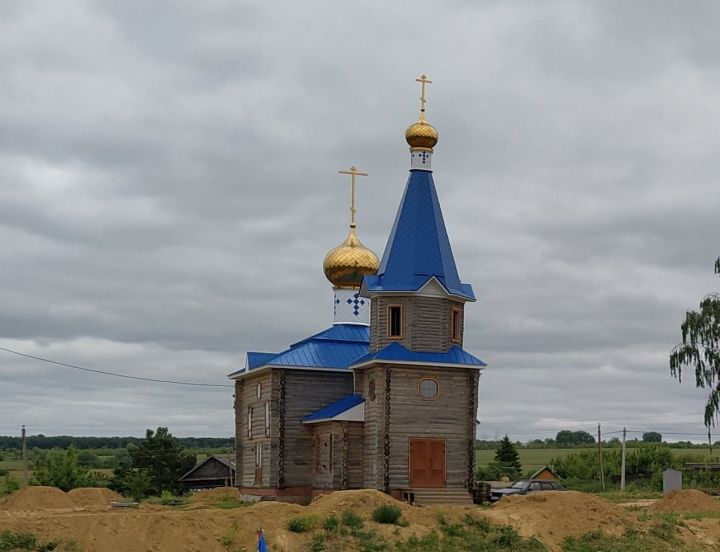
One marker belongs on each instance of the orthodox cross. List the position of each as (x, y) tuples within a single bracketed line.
[(353, 172), (423, 80)]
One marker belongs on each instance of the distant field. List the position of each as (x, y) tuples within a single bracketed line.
[(537, 458)]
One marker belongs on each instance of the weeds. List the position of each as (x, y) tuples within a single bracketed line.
[(352, 520), (302, 524), (331, 524), (387, 513), (12, 542), (631, 541)]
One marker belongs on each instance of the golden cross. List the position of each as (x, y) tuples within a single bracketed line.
[(353, 172), (423, 80)]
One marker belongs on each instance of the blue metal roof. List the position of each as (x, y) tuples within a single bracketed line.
[(334, 348), (395, 352), (418, 247), (258, 359), (333, 409)]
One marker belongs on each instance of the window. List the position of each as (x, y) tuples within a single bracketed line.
[(250, 417), (394, 321), (318, 454), (428, 389), (371, 389), (258, 456), (258, 391), (267, 419), (455, 324)]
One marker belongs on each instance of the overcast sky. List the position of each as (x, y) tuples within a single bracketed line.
[(169, 188)]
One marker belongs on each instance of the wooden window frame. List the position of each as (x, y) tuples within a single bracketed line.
[(258, 391), (389, 321), (455, 325), (258, 455), (267, 418), (437, 391), (249, 424)]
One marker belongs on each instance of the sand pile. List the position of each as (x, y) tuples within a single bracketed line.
[(361, 503), (689, 500), (38, 498), (551, 516), (93, 497)]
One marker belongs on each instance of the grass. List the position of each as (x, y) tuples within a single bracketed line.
[(631, 541), (302, 524), (387, 514), (351, 533), (616, 496), (17, 542), (534, 459)]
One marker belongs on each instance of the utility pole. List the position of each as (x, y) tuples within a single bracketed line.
[(24, 454), (622, 467), (602, 471), (710, 442)]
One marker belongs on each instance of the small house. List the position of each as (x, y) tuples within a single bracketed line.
[(213, 472)]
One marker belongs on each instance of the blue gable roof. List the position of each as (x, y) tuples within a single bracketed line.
[(418, 247), (334, 348), (395, 352), (333, 409)]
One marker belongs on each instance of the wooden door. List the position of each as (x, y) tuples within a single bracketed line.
[(427, 463)]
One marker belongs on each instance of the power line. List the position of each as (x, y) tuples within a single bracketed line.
[(114, 374)]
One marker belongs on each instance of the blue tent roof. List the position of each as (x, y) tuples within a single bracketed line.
[(334, 348), (418, 247), (398, 353), (333, 409)]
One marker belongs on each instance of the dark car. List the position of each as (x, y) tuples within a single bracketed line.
[(525, 486)]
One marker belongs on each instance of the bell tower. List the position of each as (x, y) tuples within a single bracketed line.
[(420, 385)]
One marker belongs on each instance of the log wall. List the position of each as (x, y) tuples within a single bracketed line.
[(451, 417), (426, 322)]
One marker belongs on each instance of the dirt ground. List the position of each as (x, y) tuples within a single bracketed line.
[(85, 517)]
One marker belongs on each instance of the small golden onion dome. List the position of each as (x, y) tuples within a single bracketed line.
[(346, 265), (421, 135)]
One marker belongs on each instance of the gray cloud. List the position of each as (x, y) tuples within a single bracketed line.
[(168, 191)]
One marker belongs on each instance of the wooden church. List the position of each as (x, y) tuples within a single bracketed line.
[(386, 398)]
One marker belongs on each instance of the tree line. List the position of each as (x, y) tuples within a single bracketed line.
[(43, 442)]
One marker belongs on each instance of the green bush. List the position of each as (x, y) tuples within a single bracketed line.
[(387, 513), (4, 472), (301, 524), (9, 486), (169, 499), (16, 542), (331, 523), (352, 520)]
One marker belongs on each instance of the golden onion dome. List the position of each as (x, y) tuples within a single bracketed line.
[(421, 135), (346, 264)]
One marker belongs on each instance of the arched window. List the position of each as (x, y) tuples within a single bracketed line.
[(258, 391), (371, 389)]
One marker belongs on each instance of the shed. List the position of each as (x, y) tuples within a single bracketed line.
[(214, 471), (545, 473)]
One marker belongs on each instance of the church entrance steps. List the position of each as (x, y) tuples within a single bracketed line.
[(433, 496)]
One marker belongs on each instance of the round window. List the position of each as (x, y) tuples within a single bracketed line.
[(371, 389), (258, 390), (428, 389)]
